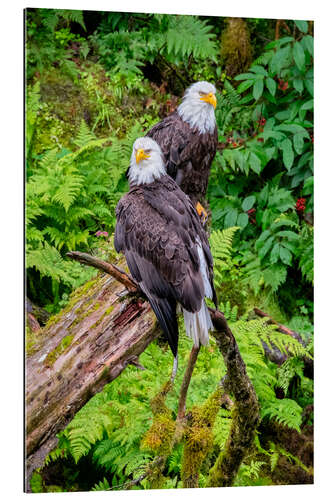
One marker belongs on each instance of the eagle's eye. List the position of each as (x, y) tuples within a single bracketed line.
[(148, 151), (202, 93)]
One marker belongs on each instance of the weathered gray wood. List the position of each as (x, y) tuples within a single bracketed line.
[(85, 346)]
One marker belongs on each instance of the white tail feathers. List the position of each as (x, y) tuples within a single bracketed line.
[(197, 325)]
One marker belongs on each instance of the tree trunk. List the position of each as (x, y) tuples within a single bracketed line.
[(85, 346)]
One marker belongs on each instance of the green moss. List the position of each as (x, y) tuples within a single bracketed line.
[(31, 339), (236, 50), (199, 439), (36, 483), (159, 437), (99, 321), (61, 347)]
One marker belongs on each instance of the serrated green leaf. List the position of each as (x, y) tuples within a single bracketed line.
[(290, 235), (248, 76), (299, 56), (258, 88), (271, 85), (298, 143), (242, 220), (248, 203), (302, 26), (245, 85), (307, 105), (308, 41), (294, 128), (287, 153), (264, 235), (275, 253), (231, 218), (266, 247), (283, 115), (255, 163), (260, 70), (298, 85), (280, 60), (285, 255), (308, 186), (309, 85)]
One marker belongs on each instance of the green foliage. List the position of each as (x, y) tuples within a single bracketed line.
[(90, 95), (48, 39), (69, 196), (267, 162), (126, 50), (111, 428)]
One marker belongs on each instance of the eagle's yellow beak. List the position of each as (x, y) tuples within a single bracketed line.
[(141, 155), (210, 98)]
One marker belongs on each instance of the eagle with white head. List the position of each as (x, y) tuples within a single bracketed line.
[(165, 245), (188, 140)]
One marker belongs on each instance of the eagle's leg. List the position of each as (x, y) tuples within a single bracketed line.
[(202, 213), (174, 369)]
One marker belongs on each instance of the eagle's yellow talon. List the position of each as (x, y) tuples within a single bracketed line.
[(202, 213)]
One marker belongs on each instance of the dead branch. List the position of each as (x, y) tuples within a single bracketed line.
[(278, 357), (106, 267), (186, 382)]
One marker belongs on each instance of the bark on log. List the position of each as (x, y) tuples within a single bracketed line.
[(86, 346)]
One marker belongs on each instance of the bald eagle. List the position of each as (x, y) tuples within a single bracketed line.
[(188, 140), (165, 245)]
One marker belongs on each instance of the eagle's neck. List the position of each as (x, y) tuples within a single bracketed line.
[(198, 115), (145, 172)]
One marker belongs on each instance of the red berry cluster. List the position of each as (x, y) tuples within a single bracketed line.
[(262, 121), (252, 215), (233, 142), (300, 205), (282, 84)]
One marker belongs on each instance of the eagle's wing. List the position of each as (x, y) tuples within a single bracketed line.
[(172, 136), (157, 230)]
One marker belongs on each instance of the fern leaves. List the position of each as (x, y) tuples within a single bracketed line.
[(71, 195), (187, 35)]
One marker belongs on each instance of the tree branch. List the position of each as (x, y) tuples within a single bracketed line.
[(186, 382), (282, 328), (246, 407), (278, 357), (114, 271)]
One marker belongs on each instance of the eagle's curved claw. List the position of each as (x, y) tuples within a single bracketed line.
[(202, 213)]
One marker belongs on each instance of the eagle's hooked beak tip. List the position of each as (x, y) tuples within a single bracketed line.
[(210, 98), (141, 155)]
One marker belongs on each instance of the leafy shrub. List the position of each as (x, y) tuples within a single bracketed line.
[(266, 162)]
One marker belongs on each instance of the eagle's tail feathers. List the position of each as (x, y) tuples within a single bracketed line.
[(198, 324)]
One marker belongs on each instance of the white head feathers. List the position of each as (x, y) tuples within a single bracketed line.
[(197, 112), (147, 162)]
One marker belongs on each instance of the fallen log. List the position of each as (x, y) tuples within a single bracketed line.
[(90, 342), (85, 346)]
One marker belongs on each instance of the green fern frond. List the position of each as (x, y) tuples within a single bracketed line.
[(74, 16), (188, 35), (221, 244), (285, 411), (103, 485)]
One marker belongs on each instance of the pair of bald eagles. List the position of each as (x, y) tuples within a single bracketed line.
[(158, 228)]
